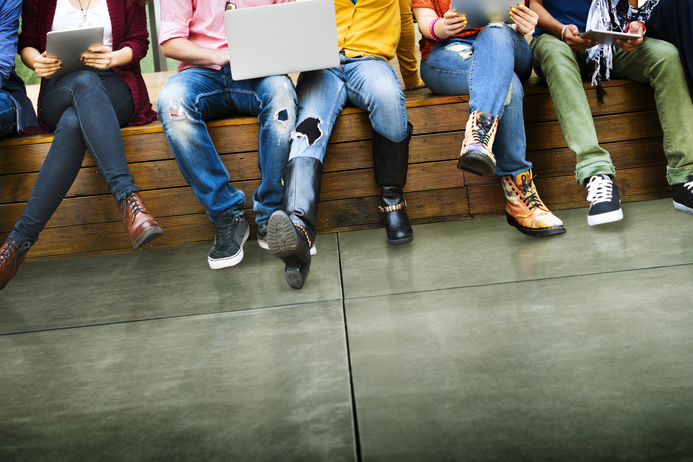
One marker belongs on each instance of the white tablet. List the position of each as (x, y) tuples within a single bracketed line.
[(480, 13), (69, 45), (607, 37)]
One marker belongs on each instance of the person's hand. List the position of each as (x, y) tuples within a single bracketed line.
[(220, 57), (630, 45), (100, 57), (45, 67), (453, 23), (525, 18), (570, 35)]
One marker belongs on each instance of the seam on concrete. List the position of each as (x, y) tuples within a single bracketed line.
[(354, 416)]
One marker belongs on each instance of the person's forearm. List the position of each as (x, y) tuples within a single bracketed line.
[(28, 56), (191, 53), (122, 57), (546, 22)]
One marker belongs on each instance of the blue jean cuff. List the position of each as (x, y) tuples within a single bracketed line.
[(122, 195)]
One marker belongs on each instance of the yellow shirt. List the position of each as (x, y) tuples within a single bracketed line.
[(369, 28)]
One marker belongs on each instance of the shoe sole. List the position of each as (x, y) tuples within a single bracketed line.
[(264, 245), (146, 236), (283, 241), (233, 260), (281, 238), (602, 218), (540, 232), (476, 163), (404, 240), (682, 207)]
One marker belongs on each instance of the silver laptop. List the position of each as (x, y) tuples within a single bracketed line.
[(299, 37), (69, 45), (480, 12)]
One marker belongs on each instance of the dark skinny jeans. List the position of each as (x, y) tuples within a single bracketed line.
[(86, 109)]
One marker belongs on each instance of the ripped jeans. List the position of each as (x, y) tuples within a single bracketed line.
[(489, 67), (367, 82), (197, 94)]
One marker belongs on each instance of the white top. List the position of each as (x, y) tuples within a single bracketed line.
[(68, 17)]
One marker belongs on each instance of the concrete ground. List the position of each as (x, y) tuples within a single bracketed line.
[(472, 343)]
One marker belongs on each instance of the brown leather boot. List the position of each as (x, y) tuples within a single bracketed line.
[(11, 258), (140, 224)]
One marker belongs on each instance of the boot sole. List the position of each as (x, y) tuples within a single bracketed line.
[(146, 236), (296, 275), (541, 232), (476, 163), (282, 240), (403, 240)]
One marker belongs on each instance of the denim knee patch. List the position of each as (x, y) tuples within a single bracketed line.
[(464, 51), (176, 111)]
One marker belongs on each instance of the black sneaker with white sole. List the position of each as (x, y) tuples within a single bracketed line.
[(683, 195), (262, 239), (605, 201), (231, 232)]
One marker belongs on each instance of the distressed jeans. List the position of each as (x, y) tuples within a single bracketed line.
[(197, 94), (367, 82), (655, 62), (489, 67)]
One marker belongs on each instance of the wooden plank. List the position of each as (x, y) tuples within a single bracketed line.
[(345, 213), (361, 183), (610, 128), (622, 99)]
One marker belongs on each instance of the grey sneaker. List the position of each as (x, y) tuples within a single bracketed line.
[(262, 236), (262, 239), (231, 232)]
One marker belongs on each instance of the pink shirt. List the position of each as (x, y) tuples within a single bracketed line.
[(200, 21)]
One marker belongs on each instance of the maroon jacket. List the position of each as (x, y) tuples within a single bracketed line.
[(129, 23)]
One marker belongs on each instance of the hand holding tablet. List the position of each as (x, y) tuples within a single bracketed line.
[(67, 47)]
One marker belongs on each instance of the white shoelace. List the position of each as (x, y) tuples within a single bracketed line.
[(600, 189), (689, 185)]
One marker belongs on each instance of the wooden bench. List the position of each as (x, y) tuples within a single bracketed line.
[(88, 222)]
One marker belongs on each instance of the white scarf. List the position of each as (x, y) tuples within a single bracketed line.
[(610, 15)]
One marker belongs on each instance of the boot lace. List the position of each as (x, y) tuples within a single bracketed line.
[(482, 134), (224, 233), (133, 204), (6, 254), (600, 189), (528, 194), (689, 184)]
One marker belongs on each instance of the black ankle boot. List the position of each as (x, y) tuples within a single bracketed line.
[(391, 161), (291, 231), (397, 226)]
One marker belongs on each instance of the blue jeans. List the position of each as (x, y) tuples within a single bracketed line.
[(198, 94), (86, 109), (367, 82), (8, 114), (489, 67)]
